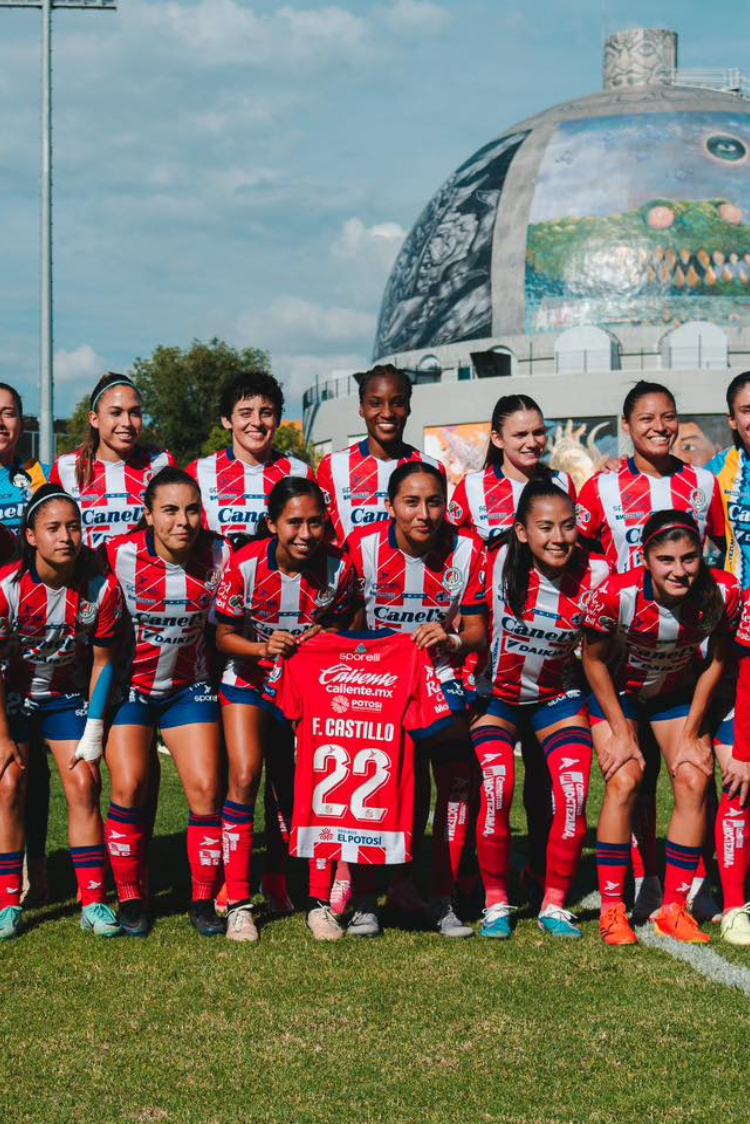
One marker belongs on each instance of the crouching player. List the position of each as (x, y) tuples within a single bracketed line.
[(169, 574), (537, 589), (58, 617), (278, 592), (644, 631)]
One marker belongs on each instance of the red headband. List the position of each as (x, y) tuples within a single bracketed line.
[(670, 527)]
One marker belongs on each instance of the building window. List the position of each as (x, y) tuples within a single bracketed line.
[(584, 350), (695, 345)]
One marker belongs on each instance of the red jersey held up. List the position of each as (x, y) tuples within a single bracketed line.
[(355, 486), (52, 629), (235, 494), (112, 503), (258, 596), (359, 699)]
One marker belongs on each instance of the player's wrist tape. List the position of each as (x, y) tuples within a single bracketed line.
[(90, 747), (454, 642)]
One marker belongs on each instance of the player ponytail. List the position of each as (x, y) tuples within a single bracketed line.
[(414, 468), (87, 451), (670, 526), (504, 407), (519, 561), (284, 490)]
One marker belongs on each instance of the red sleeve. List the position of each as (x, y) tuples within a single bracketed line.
[(603, 609), (427, 712), (458, 509), (192, 469), (475, 596), (353, 550), (54, 476), (716, 526), (589, 513), (346, 594), (280, 690), (325, 480), (733, 599), (230, 598), (741, 750), (110, 614)]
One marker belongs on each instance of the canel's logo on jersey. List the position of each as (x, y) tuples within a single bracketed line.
[(633, 536), (362, 516), (232, 515), (452, 579), (697, 498), (96, 516)]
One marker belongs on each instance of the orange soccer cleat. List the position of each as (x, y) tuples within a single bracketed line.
[(674, 921), (615, 928)]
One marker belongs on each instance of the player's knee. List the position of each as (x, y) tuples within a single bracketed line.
[(624, 785), (243, 783), (12, 789), (130, 791), (204, 795), (82, 788)]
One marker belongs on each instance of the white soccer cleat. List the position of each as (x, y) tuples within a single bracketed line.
[(322, 923), (241, 924), (735, 926)]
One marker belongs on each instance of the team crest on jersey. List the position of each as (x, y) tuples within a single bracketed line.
[(582, 515), (275, 674), (327, 498), (455, 511), (212, 579), (325, 597), (340, 703), (697, 499), (87, 611), (452, 579), (21, 479)]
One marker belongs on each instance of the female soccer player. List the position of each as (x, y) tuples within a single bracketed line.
[(109, 473), (19, 480), (537, 589), (355, 480), (612, 510), (235, 484), (58, 618), (732, 468), (644, 631), (278, 592), (420, 575), (169, 574), (486, 502)]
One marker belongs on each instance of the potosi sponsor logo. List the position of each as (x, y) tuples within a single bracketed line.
[(340, 704)]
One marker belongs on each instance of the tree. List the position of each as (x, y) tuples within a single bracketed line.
[(77, 429), (181, 391)]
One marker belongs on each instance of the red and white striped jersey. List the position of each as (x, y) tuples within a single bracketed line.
[(402, 593), (533, 659), (112, 503), (613, 507), (359, 699), (169, 606), (235, 494), (264, 600), (50, 629), (657, 647), (355, 486), (486, 501)]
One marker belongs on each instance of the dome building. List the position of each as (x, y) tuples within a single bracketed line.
[(604, 240)]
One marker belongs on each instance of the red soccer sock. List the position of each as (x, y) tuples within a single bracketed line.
[(612, 862), (89, 864), (568, 752), (643, 840), (680, 870), (733, 849), (127, 843), (11, 878), (321, 879), (237, 822), (204, 854), (450, 829), (494, 749)]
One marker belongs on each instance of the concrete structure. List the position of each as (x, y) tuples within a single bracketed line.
[(601, 241)]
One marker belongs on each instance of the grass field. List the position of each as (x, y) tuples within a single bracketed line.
[(409, 1028)]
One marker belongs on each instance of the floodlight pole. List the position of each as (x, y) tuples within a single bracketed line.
[(46, 380)]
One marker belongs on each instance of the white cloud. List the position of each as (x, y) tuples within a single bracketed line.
[(293, 324), (416, 15), (365, 255), (299, 372), (75, 373)]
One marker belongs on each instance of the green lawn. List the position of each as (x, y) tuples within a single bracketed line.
[(408, 1028)]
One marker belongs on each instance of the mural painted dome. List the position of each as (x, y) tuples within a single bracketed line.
[(626, 209)]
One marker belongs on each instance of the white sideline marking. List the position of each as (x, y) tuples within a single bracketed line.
[(704, 961)]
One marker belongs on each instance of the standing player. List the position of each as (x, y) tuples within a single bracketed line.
[(420, 575), (18, 482), (732, 468), (355, 480), (538, 587), (277, 593), (486, 502), (645, 629), (612, 510), (235, 484), (169, 574), (58, 618), (108, 475)]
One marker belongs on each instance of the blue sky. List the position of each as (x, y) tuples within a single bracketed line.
[(248, 169)]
